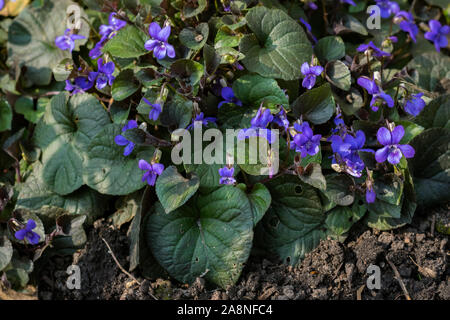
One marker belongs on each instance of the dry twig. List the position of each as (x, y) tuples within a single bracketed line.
[(399, 279)]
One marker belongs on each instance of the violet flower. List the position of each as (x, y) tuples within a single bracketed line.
[(152, 171), (28, 233), (104, 74), (308, 29), (310, 73), (393, 151), (438, 34), (79, 85), (376, 52), (350, 2), (377, 94), (226, 176), (370, 194), (229, 97), (387, 8), (110, 30), (258, 126), (201, 118), (281, 119), (159, 44), (305, 142), (67, 41), (415, 104), (407, 24), (122, 141), (156, 110)]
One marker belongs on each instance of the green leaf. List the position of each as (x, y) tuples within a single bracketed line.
[(292, 225), (34, 195), (330, 48), (211, 235), (338, 74), (278, 46), (195, 38), (411, 130), (260, 200), (124, 85), (254, 89), (436, 113), (174, 190), (31, 39), (64, 134), (25, 105), (6, 251), (429, 69), (349, 24), (381, 218), (107, 170), (128, 43), (316, 105), (6, 115), (75, 237), (191, 9), (339, 189), (313, 176), (186, 70), (341, 219), (177, 112), (430, 166)]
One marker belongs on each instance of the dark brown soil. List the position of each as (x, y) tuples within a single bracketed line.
[(333, 270)]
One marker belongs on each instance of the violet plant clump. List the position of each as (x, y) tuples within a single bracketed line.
[(333, 125)]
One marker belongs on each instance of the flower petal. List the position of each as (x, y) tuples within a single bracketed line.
[(397, 134), (305, 68), (164, 34), (170, 50), (160, 52), (151, 44), (144, 165), (394, 156), (154, 30), (128, 149), (158, 168), (407, 150), (384, 136), (20, 234), (31, 224), (382, 154), (33, 238), (121, 140)]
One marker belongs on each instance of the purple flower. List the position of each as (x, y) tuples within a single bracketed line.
[(110, 30), (370, 194), (387, 8), (151, 171), (392, 150), (262, 118), (377, 94), (156, 110), (312, 5), (310, 73), (346, 151), (226, 175), (2, 4), (159, 43), (305, 141), (104, 75), (350, 2), (376, 52), (96, 51), (281, 119), (67, 41), (229, 97), (201, 118), (28, 233), (407, 24), (80, 85), (438, 34), (122, 141), (415, 104), (393, 39)]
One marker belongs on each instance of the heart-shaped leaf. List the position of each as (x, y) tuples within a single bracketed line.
[(292, 225), (252, 90), (211, 235), (128, 43), (278, 46), (64, 134), (316, 105), (195, 38), (107, 170), (174, 190), (330, 48)]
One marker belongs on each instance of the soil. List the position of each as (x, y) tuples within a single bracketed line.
[(334, 270)]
